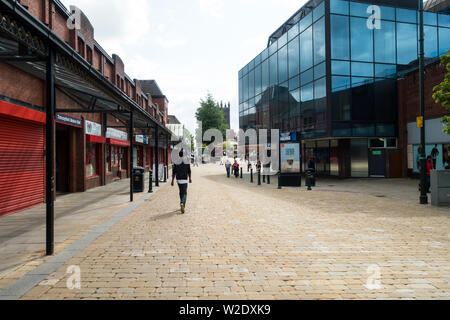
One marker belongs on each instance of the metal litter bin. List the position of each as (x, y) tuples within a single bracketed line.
[(138, 179)]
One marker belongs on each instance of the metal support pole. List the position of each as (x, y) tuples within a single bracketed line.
[(131, 134), (156, 156), (165, 174), (150, 184), (259, 177), (251, 175), (50, 152), (279, 163), (264, 175), (167, 159), (105, 128), (423, 162)]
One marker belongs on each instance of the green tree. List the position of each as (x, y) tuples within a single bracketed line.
[(442, 92), (211, 116), (191, 138)]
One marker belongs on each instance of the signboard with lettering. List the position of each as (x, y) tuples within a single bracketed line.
[(139, 139), (93, 129), (116, 134), (288, 136), (290, 157), (68, 120)]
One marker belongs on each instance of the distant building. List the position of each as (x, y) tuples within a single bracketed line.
[(226, 112), (160, 101), (179, 131)]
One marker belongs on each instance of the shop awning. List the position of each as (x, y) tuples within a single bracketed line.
[(95, 139), (116, 142)]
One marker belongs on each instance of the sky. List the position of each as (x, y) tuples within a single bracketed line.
[(190, 47)]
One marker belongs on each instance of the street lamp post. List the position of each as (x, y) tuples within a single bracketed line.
[(423, 164)]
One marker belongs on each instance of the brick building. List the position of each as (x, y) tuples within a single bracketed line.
[(92, 149), (437, 142)]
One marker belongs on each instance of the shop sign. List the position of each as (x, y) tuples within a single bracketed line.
[(93, 129), (285, 136), (116, 134), (419, 122), (290, 157), (68, 120), (139, 139), (288, 136), (145, 140)]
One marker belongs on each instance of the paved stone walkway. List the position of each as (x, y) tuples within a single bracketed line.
[(22, 235), (240, 241)]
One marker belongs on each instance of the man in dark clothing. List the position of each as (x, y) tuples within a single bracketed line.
[(182, 172), (435, 155)]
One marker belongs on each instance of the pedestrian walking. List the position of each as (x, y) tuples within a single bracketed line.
[(430, 166), (228, 168), (182, 172), (236, 169), (435, 155), (258, 166)]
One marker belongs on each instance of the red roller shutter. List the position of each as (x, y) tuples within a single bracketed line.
[(22, 174)]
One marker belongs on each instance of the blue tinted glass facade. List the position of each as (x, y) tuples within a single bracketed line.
[(333, 72)]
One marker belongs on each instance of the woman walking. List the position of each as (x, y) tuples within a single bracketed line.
[(236, 169)]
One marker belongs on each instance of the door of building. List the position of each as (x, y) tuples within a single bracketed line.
[(22, 177), (377, 163), (62, 159)]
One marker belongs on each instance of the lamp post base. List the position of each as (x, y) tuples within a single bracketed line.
[(423, 199)]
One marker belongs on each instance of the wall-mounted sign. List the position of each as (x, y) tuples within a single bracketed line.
[(68, 120), (93, 129), (377, 153), (290, 157), (116, 134), (146, 140), (288, 136), (419, 122), (139, 138), (285, 136)]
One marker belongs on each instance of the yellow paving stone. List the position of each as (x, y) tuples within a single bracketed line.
[(240, 241)]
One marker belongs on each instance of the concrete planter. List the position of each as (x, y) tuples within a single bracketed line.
[(440, 188)]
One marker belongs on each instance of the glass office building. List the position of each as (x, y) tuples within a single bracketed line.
[(329, 75)]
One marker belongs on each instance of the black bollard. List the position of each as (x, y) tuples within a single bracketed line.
[(264, 177), (150, 187), (241, 174), (251, 175), (268, 178), (259, 177), (279, 180), (165, 174)]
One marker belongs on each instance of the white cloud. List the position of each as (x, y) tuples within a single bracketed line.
[(212, 7)]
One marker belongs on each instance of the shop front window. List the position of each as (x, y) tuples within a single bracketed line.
[(123, 164), (116, 156), (141, 156), (91, 159)]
